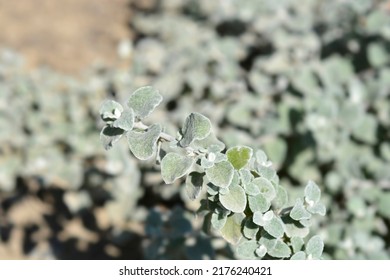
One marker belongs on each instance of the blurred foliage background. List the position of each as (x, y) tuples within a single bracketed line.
[(308, 81)]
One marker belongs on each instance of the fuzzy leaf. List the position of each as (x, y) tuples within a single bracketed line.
[(318, 208), (194, 183), (267, 172), (312, 193), (196, 127), (299, 212), (298, 256), (221, 174), (218, 220), (246, 177), (258, 203), (143, 144), (268, 241), (281, 250), (231, 231), (126, 120), (266, 188), (246, 250), (297, 243), (252, 189), (174, 166), (258, 218), (261, 251), (281, 198), (314, 247), (273, 225), (250, 229), (239, 156), (109, 135), (144, 100), (234, 200), (110, 110)]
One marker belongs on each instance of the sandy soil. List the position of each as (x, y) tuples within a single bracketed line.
[(66, 35)]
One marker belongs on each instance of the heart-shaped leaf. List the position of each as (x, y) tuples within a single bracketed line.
[(174, 166), (196, 127), (144, 144), (239, 156), (144, 100)]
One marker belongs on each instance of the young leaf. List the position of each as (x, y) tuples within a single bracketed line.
[(196, 127), (110, 110), (126, 120), (314, 247), (109, 135), (239, 156), (299, 212), (221, 174), (144, 144), (231, 231), (174, 166), (246, 250), (234, 200), (144, 100), (194, 183)]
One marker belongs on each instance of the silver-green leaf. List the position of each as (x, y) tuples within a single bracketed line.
[(194, 184), (234, 200), (221, 174), (109, 135), (196, 127), (299, 211), (144, 144), (231, 231), (110, 110), (126, 120), (174, 166), (144, 100), (273, 225), (314, 247), (246, 250)]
